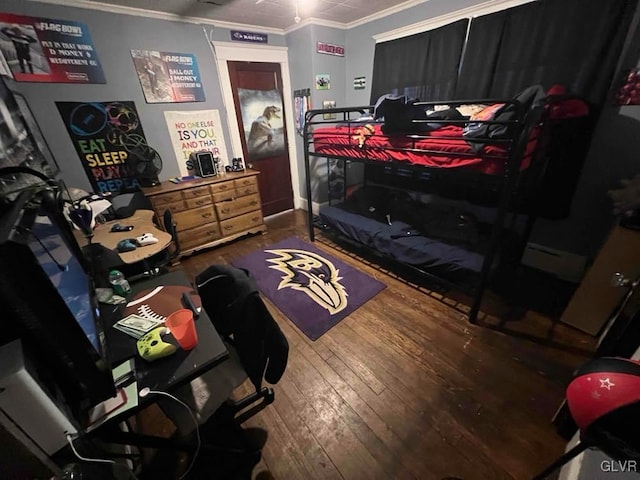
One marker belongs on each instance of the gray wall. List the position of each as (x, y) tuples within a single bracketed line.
[(114, 35), (304, 64), (300, 53)]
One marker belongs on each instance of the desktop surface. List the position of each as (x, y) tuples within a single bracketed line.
[(181, 367)]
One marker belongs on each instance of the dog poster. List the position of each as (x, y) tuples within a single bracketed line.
[(263, 122)]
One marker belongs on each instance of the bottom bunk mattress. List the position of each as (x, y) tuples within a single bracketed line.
[(399, 241)]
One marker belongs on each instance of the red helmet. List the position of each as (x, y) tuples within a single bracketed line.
[(604, 400)]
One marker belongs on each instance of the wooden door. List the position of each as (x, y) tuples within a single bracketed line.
[(257, 96)]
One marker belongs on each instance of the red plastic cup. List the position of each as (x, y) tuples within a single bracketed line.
[(183, 328)]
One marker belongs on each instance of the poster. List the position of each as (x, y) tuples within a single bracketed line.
[(194, 132), (262, 122), (168, 77), (329, 104), (110, 142), (46, 50), (323, 81)]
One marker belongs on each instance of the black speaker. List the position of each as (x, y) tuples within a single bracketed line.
[(205, 164)]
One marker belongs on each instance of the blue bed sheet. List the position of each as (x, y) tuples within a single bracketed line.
[(430, 254)]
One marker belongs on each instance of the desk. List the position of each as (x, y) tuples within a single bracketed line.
[(142, 222), (165, 374)]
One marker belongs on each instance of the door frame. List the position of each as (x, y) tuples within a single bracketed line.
[(225, 52)]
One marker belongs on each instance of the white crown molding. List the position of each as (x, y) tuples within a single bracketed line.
[(384, 13), (172, 17), (315, 21), (485, 8)]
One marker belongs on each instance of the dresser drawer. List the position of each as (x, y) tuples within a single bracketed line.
[(165, 198), (202, 235), (196, 192), (246, 182), (174, 207), (199, 201), (240, 223), (221, 187), (194, 218), (222, 196), (238, 206), (244, 191)]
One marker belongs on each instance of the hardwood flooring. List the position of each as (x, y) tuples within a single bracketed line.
[(406, 388)]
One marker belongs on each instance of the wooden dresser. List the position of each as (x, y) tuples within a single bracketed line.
[(210, 211)]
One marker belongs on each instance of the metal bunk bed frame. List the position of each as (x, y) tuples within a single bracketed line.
[(507, 182)]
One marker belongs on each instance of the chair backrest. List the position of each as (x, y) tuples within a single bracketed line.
[(230, 297), (170, 227)]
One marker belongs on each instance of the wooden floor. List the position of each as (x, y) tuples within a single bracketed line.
[(406, 388)]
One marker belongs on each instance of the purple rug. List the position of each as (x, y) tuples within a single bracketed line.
[(312, 288)]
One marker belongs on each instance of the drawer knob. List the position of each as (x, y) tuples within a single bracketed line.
[(228, 227), (201, 202), (225, 210), (253, 203), (223, 187), (255, 219), (206, 215)]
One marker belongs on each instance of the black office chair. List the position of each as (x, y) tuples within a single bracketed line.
[(258, 350), (170, 226)]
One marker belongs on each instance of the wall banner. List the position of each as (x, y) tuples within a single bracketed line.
[(168, 77), (330, 49), (195, 131), (46, 50), (252, 37), (108, 137)]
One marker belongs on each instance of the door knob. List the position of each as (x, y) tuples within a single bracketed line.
[(619, 280)]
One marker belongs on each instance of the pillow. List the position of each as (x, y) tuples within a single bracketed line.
[(487, 113), (470, 110)]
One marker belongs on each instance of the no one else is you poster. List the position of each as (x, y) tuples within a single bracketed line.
[(46, 50)]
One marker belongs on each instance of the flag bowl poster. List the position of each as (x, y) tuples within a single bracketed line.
[(46, 50), (168, 77), (195, 131), (108, 137)]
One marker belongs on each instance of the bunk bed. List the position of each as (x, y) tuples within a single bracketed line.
[(491, 163)]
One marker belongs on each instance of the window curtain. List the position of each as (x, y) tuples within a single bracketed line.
[(423, 66), (571, 42)]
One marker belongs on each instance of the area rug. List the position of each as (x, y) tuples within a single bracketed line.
[(312, 288)]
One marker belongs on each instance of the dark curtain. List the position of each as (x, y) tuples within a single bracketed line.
[(423, 66), (571, 42)]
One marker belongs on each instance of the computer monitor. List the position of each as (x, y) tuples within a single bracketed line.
[(21, 143), (47, 299)]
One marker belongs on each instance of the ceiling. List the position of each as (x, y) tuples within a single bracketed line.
[(278, 14)]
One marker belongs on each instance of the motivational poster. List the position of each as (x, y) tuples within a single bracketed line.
[(46, 50), (195, 131), (168, 77), (110, 142)]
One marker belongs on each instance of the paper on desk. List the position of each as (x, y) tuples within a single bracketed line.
[(126, 397)]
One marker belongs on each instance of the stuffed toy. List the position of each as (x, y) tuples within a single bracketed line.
[(363, 133)]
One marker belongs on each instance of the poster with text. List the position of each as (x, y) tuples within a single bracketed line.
[(46, 50), (168, 77), (263, 122), (195, 131), (110, 142)]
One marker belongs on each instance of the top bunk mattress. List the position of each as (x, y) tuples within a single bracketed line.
[(444, 147)]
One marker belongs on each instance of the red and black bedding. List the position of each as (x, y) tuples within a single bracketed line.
[(444, 147), (461, 144)]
